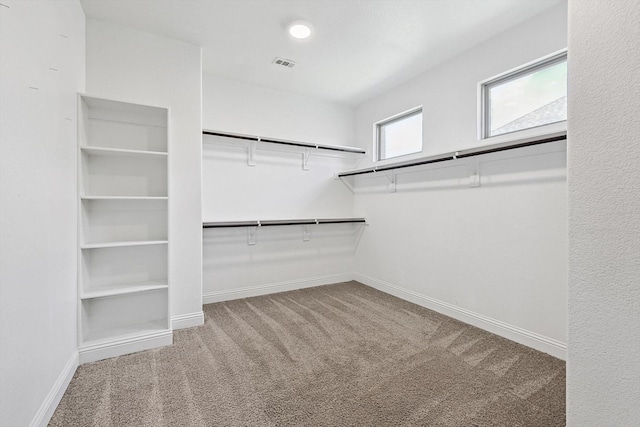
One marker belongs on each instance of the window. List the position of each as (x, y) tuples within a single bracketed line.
[(531, 96), (400, 135)]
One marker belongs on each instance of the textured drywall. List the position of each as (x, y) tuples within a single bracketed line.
[(41, 69), (603, 375)]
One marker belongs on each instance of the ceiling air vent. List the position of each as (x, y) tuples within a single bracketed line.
[(284, 62)]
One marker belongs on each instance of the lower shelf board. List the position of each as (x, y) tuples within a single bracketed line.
[(125, 343), (124, 288), (100, 337)]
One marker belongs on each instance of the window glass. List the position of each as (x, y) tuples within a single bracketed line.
[(522, 100), (400, 136)]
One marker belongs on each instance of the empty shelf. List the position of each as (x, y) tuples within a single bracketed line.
[(123, 244), (124, 198), (118, 152), (124, 288)]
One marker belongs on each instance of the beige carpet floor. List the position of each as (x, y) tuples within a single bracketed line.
[(337, 355)]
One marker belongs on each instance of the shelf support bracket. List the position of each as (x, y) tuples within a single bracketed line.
[(474, 173), (306, 234), (345, 181), (251, 152), (391, 176), (251, 236), (305, 159)]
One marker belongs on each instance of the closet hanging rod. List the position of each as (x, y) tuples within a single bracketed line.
[(471, 152), (340, 148), (275, 222)]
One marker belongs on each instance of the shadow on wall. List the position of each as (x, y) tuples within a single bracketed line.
[(230, 246), (279, 255)]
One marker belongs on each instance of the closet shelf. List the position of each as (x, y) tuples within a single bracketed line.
[(124, 198), (124, 288), (123, 244), (128, 122), (117, 196), (461, 154), (281, 222), (119, 152), (268, 140)]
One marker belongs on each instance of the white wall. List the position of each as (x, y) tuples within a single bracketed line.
[(494, 256), (275, 188), (41, 69), (603, 378), (233, 106), (448, 93), (140, 67)]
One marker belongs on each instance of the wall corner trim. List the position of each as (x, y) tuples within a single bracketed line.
[(530, 339), (272, 288), (188, 320), (50, 403)]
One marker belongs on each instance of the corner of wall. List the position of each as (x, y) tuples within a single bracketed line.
[(189, 320), (527, 338), (50, 403)]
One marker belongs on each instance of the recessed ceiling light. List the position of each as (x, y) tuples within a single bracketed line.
[(300, 29)]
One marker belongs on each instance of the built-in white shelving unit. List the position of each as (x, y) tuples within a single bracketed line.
[(123, 286)]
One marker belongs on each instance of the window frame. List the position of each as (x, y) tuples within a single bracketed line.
[(394, 119), (484, 119)]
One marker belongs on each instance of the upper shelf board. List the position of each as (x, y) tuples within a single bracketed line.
[(461, 154), (275, 222), (101, 104), (300, 144)]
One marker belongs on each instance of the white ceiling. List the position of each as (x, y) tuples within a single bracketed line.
[(359, 48)]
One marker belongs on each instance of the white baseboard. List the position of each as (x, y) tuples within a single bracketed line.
[(530, 339), (272, 288), (125, 346), (50, 403), (188, 320)]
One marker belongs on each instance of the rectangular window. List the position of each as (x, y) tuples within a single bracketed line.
[(400, 135), (531, 96)]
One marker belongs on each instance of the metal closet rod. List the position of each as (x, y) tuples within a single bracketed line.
[(285, 142), (456, 155), (274, 222)]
